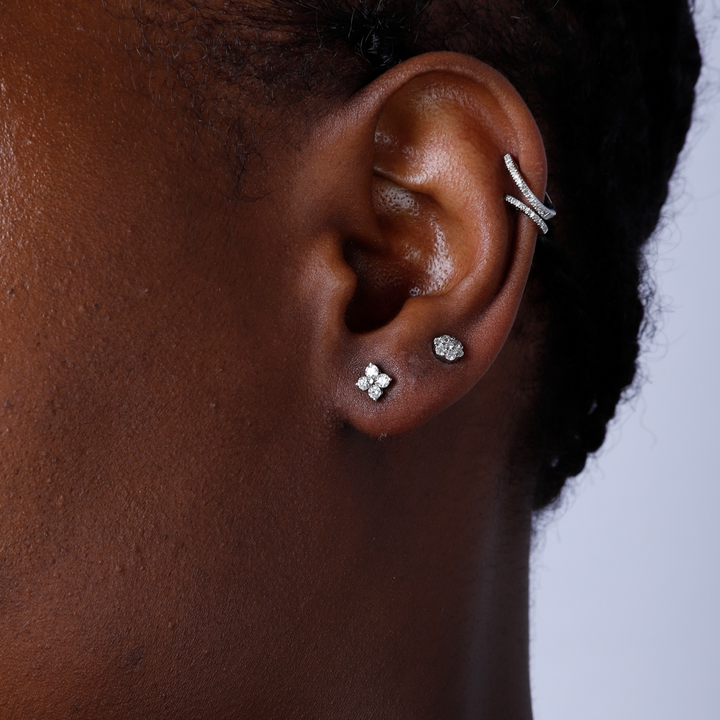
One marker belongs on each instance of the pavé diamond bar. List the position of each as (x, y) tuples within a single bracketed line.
[(373, 382)]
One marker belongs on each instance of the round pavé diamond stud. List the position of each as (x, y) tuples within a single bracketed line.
[(373, 382), (447, 348)]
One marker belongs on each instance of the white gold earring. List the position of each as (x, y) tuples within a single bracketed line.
[(537, 212), (373, 382), (448, 348)]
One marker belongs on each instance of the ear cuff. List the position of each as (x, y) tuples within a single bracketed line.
[(536, 211)]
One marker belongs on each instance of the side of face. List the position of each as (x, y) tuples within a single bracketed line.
[(186, 460)]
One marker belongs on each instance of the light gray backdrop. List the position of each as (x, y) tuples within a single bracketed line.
[(626, 578)]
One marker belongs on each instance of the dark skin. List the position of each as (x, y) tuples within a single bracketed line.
[(201, 516)]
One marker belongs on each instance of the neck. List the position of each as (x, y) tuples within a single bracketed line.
[(438, 625), (389, 581)]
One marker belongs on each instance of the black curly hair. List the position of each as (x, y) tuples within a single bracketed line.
[(612, 86), (619, 112)]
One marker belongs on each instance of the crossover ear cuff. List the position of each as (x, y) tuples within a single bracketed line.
[(536, 211)]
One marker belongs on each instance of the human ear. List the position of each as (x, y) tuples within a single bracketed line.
[(412, 180)]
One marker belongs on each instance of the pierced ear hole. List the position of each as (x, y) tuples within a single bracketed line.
[(381, 289)]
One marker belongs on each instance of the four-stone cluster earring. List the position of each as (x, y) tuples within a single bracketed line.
[(537, 212), (373, 382)]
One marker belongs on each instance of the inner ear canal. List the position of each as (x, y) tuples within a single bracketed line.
[(414, 258), (381, 291)]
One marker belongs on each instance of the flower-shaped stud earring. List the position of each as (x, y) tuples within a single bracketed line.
[(373, 381), (448, 348)]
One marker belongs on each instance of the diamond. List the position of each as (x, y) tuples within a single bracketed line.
[(383, 380), (375, 392), (372, 371), (364, 382)]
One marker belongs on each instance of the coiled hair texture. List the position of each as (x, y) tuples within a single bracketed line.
[(623, 115)]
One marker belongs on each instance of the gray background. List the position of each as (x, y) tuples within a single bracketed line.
[(626, 577)]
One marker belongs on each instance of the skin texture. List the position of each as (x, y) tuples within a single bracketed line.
[(200, 515)]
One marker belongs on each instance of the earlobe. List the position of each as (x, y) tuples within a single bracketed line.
[(439, 257)]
